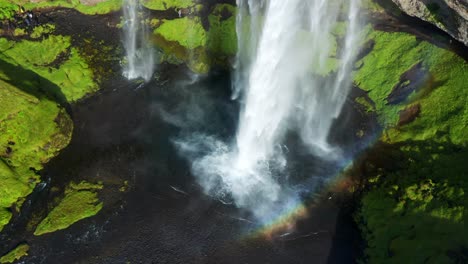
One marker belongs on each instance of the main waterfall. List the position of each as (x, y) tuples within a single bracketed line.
[(139, 53), (293, 74)]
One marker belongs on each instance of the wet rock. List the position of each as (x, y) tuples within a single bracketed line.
[(366, 49), (410, 81), (409, 114), (449, 15)]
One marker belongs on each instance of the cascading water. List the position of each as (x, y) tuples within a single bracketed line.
[(139, 52), (292, 76)]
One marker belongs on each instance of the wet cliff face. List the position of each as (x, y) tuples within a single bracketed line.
[(449, 15)]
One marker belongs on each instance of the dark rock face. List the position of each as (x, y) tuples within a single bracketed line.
[(449, 15), (410, 81), (409, 114)]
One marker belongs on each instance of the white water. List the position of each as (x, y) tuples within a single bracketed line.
[(138, 49), (285, 49)]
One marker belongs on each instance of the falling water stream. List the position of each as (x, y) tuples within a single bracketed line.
[(293, 74), (139, 53)]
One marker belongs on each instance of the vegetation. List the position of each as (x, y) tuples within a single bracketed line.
[(16, 254), (221, 39), (168, 4), (187, 40), (381, 70), (32, 131), (69, 77), (414, 210), (7, 9), (103, 7), (80, 202), (188, 32)]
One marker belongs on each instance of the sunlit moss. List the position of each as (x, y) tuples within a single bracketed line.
[(80, 201), (16, 254), (103, 7), (168, 4), (187, 32), (72, 76), (186, 40), (444, 112), (31, 132), (7, 9), (40, 30)]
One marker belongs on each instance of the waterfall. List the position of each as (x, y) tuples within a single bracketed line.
[(293, 75), (138, 49)]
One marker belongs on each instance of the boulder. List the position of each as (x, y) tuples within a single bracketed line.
[(449, 15)]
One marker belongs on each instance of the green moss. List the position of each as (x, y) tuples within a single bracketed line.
[(16, 254), (32, 130), (7, 9), (104, 7), (372, 6), (18, 32), (80, 202), (187, 32), (365, 103), (5, 217), (72, 76), (41, 30), (417, 213), (444, 111), (222, 38), (168, 4), (185, 39)]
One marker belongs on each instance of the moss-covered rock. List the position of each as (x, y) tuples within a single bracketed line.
[(32, 131), (414, 205), (438, 88), (169, 4), (52, 58), (16, 254), (186, 40), (80, 201), (86, 7)]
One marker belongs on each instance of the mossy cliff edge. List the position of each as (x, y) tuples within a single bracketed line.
[(41, 73), (412, 206)]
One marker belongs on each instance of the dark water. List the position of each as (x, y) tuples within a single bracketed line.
[(122, 134)]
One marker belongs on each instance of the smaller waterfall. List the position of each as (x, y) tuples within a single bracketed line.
[(139, 52)]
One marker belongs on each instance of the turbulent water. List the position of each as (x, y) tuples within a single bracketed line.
[(292, 76), (139, 53)]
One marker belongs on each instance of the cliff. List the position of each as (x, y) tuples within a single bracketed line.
[(448, 15)]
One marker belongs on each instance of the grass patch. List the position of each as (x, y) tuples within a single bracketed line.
[(393, 55), (80, 202), (16, 254)]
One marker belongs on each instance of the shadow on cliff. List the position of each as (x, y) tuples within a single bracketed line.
[(34, 84), (412, 202)]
